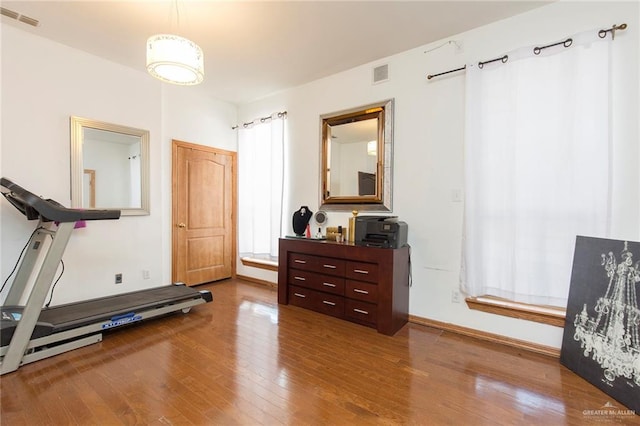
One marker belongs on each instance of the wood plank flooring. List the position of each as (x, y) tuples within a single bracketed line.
[(245, 360)]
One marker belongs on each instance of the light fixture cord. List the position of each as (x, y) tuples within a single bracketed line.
[(177, 13), (174, 10)]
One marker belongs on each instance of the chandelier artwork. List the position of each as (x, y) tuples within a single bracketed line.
[(611, 337)]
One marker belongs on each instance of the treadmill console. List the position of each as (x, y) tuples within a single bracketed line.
[(34, 207)]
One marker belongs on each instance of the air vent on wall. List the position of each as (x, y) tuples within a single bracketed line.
[(22, 18), (380, 74)]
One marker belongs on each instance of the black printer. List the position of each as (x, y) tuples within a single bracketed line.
[(380, 231)]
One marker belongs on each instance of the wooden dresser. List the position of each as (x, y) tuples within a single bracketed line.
[(365, 285)]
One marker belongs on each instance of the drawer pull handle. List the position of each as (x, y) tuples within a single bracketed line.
[(326, 302), (360, 271), (330, 266), (329, 284), (357, 290), (360, 311), (299, 261), (299, 295), (299, 278)]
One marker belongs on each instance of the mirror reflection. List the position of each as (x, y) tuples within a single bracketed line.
[(353, 159), (109, 166), (356, 158)]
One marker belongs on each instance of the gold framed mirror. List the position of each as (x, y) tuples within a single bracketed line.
[(356, 158), (109, 167)]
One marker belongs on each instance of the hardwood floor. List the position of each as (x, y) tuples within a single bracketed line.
[(245, 360)]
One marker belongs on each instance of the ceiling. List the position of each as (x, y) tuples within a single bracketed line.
[(255, 48)]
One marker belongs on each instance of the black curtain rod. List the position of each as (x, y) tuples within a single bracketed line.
[(261, 120), (566, 43), (612, 30), (430, 76), (502, 59), (536, 50)]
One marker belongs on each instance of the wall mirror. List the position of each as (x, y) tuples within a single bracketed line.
[(356, 158), (109, 167)]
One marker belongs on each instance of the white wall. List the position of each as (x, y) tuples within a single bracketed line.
[(429, 122), (43, 84)]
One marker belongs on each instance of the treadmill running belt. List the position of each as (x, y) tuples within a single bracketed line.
[(72, 315)]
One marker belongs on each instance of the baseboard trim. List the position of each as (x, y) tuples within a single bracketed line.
[(257, 281), (489, 337)]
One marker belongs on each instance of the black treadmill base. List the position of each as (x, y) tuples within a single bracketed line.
[(74, 315)]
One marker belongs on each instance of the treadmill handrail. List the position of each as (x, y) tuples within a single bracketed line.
[(33, 206)]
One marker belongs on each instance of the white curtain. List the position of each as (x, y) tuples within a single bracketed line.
[(260, 185), (536, 168)]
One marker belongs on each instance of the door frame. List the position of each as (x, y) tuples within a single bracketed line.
[(175, 144)]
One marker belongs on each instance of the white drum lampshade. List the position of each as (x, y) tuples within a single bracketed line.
[(175, 59)]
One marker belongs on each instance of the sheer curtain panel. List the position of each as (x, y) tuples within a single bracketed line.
[(536, 168), (260, 182)]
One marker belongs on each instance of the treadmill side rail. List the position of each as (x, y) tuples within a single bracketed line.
[(60, 349)]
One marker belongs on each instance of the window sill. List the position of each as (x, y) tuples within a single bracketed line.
[(269, 265), (549, 315)]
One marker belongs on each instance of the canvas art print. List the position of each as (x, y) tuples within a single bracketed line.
[(601, 339)]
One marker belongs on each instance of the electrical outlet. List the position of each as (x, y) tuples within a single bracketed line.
[(118, 278), (455, 296), (145, 274)]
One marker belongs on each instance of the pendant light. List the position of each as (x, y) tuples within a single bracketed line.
[(174, 59)]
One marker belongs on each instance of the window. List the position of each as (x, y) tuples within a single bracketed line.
[(536, 169), (260, 187)]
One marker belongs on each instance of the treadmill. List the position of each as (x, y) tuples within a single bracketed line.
[(30, 332)]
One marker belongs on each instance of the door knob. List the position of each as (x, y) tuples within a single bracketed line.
[(181, 225)]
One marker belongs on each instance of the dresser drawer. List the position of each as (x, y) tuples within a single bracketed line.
[(361, 312), (323, 265), (362, 271), (360, 290), (325, 303), (316, 281), (302, 297), (330, 304)]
